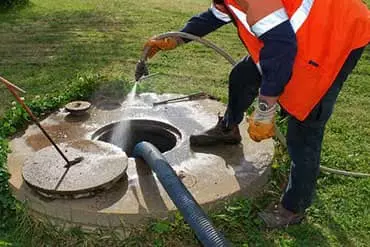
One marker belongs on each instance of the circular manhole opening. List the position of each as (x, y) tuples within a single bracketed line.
[(127, 133)]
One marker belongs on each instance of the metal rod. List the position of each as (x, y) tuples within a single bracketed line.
[(52, 142), (62, 178), (147, 76), (11, 88), (144, 77), (8, 83), (187, 97)]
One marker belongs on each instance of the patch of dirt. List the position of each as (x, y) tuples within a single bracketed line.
[(63, 132)]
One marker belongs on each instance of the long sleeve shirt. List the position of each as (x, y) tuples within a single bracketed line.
[(276, 57)]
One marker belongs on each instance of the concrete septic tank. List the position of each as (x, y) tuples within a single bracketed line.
[(211, 174)]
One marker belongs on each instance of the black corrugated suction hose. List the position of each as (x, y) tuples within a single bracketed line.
[(181, 197)]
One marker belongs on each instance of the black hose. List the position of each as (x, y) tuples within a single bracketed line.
[(181, 197), (192, 37)]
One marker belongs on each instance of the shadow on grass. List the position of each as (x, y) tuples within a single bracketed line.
[(11, 6), (327, 220), (241, 225), (304, 236)]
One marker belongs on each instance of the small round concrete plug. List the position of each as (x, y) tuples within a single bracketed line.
[(78, 108)]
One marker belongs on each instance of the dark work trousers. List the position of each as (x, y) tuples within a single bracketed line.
[(304, 138)]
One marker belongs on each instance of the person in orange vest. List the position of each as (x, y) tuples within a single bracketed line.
[(301, 52)]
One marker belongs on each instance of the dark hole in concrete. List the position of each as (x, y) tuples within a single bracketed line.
[(126, 134)]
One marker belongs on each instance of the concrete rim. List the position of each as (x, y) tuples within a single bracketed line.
[(153, 128)]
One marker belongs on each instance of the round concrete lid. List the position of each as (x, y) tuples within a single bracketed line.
[(103, 164), (78, 107)]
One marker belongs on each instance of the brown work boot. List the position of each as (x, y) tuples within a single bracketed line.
[(219, 134), (276, 216)]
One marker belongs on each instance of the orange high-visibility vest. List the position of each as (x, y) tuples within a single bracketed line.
[(327, 31)]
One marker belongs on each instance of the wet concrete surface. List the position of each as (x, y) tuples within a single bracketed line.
[(211, 174), (61, 133), (101, 164)]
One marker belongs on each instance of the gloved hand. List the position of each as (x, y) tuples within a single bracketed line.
[(161, 44), (262, 123)]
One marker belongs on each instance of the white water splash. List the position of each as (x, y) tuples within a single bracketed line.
[(121, 129), (131, 95)]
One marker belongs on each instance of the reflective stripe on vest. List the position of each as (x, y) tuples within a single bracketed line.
[(323, 46), (275, 18), (301, 14), (242, 17), (269, 22), (219, 14)]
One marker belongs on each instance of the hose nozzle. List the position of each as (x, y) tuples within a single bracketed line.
[(141, 70)]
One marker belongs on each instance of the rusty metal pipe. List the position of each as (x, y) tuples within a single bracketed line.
[(8, 83), (13, 89)]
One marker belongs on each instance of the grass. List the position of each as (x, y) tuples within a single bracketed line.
[(46, 45)]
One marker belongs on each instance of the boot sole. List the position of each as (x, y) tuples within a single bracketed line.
[(276, 225)]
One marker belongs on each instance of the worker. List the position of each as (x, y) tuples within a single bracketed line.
[(300, 53)]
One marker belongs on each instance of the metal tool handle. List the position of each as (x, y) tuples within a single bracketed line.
[(187, 97), (13, 89), (9, 84)]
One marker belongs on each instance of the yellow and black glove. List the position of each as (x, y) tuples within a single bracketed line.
[(262, 122), (161, 44)]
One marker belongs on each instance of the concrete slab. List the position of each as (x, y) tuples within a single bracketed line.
[(102, 165), (211, 174)]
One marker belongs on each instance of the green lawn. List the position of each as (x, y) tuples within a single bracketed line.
[(47, 45)]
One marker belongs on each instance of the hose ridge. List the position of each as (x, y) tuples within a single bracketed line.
[(193, 214)]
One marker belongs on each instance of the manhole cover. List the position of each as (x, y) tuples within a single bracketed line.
[(126, 134), (102, 165)]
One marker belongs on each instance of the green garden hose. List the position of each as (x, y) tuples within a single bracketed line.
[(141, 69)]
